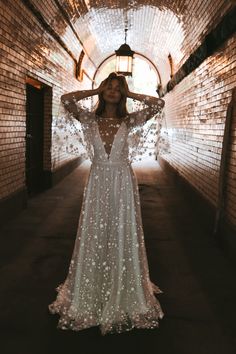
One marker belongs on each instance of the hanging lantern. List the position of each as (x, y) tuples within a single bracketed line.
[(124, 59)]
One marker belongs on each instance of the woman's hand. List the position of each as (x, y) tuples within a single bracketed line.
[(101, 87), (126, 87)]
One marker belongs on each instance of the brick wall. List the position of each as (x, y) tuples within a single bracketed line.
[(196, 112), (196, 108), (26, 49)]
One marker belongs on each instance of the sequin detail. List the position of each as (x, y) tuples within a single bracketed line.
[(73, 132), (108, 283)]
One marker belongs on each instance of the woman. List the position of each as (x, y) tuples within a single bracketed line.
[(108, 282)]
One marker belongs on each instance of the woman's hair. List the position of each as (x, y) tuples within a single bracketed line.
[(121, 109)]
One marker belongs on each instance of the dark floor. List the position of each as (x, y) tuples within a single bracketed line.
[(198, 282)]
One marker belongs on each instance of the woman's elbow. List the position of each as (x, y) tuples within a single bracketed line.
[(63, 97), (66, 96)]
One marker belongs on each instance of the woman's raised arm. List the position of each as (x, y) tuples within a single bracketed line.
[(155, 105), (79, 95), (69, 100), (148, 100)]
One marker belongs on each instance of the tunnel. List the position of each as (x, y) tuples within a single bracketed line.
[(183, 52)]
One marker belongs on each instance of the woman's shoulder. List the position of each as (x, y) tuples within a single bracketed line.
[(129, 118)]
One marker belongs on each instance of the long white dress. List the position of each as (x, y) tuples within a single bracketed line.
[(108, 283)]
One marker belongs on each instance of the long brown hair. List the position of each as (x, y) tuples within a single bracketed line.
[(121, 109)]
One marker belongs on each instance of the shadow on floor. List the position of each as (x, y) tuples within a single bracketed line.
[(197, 280)]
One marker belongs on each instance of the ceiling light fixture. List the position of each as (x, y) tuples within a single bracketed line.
[(124, 57)]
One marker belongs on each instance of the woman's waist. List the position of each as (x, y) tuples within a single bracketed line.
[(111, 163)]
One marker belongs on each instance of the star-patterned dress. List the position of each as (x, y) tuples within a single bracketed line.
[(108, 283)]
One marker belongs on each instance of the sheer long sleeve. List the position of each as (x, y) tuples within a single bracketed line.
[(76, 109), (141, 115), (145, 126), (71, 133)]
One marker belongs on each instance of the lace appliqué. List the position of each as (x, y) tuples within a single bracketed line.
[(72, 132), (72, 317), (147, 136), (108, 281)]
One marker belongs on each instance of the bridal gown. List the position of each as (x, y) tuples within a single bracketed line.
[(108, 283)]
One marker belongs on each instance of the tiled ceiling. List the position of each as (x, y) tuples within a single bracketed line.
[(155, 28)]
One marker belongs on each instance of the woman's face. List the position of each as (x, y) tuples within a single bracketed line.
[(112, 92)]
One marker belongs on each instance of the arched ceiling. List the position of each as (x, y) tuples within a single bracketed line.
[(155, 28)]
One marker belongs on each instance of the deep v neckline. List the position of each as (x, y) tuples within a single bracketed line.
[(114, 139)]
